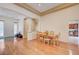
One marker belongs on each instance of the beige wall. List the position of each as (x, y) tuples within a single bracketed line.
[(58, 21), (29, 29)]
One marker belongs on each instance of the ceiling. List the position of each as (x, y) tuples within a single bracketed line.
[(45, 8), (41, 7)]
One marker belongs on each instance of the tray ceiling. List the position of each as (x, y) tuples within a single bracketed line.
[(41, 7), (45, 8)]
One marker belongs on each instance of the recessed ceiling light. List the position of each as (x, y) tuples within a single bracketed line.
[(39, 4)]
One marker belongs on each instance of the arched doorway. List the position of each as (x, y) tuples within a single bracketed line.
[(30, 25)]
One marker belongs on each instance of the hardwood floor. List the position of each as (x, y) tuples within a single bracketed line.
[(23, 47)]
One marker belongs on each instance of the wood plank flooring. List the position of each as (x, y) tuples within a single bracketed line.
[(12, 46)]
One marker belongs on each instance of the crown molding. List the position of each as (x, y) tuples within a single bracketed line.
[(51, 10), (27, 7), (58, 8)]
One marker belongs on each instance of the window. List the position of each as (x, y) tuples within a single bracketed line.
[(1, 29), (15, 28)]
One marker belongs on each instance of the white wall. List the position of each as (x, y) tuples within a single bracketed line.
[(58, 21), (10, 13)]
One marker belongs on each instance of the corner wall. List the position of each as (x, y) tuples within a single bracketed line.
[(58, 21)]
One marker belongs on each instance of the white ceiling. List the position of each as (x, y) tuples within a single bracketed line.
[(41, 7)]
